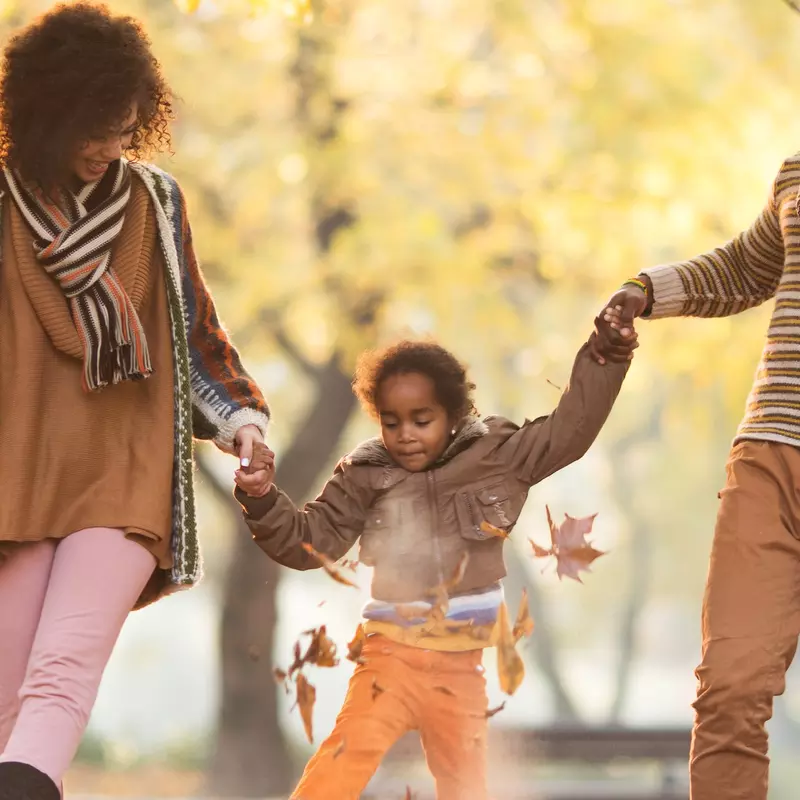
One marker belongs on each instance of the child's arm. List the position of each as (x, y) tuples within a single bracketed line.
[(548, 444), (331, 524)]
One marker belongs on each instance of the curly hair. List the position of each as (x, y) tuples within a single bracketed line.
[(449, 376), (72, 75)]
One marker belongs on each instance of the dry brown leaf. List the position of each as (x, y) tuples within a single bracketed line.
[(492, 711), (306, 697), (569, 546), (279, 675), (459, 572), (356, 645), (510, 668), (329, 565), (321, 650), (524, 624), (297, 663), (497, 533)]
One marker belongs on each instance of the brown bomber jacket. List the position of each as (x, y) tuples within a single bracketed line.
[(415, 527)]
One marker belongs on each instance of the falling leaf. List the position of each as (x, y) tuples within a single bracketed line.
[(409, 794), (524, 624), (321, 650), (460, 571), (444, 690), (492, 711), (377, 689), (510, 668), (329, 566), (347, 564), (319, 605), (279, 675), (356, 645), (339, 748), (306, 697), (498, 533), (569, 546)]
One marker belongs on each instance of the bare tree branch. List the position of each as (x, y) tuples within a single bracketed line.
[(292, 352)]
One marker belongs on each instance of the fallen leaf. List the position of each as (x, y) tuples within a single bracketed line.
[(524, 623), (492, 711), (329, 566), (339, 749), (490, 530), (297, 663), (510, 668), (306, 697), (377, 689), (356, 645), (444, 690), (279, 675), (573, 553)]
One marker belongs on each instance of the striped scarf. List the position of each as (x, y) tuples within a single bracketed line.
[(73, 243)]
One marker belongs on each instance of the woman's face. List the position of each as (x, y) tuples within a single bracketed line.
[(414, 426), (93, 156)]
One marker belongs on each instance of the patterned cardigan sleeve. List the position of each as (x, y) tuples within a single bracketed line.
[(224, 396)]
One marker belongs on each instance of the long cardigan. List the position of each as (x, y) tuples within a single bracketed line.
[(214, 395)]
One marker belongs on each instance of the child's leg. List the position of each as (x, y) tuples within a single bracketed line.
[(23, 582), (96, 578), (379, 708), (453, 725)]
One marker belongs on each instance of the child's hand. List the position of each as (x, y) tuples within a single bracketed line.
[(256, 479), (609, 345)]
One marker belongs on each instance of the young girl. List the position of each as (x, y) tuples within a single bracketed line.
[(416, 498)]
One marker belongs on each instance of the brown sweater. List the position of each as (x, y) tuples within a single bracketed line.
[(68, 459)]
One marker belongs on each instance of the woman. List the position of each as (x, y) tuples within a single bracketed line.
[(111, 359)]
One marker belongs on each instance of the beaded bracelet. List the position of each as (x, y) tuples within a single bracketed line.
[(636, 282)]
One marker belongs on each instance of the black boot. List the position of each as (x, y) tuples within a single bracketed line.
[(24, 782)]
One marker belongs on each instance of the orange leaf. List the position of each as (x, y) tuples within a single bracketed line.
[(356, 645), (329, 565), (524, 624), (490, 530), (321, 649), (306, 697), (510, 668), (573, 553)]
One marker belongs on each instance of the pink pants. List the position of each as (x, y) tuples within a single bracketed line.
[(62, 606)]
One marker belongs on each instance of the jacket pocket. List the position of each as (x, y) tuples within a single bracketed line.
[(491, 504)]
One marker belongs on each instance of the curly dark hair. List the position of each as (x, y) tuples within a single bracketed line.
[(449, 376), (72, 75)]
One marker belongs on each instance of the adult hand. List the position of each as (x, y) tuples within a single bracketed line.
[(256, 462), (627, 304), (608, 345)]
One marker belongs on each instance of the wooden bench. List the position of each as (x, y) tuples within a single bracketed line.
[(665, 750)]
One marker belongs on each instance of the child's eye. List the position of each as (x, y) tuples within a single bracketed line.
[(390, 425), (423, 423)]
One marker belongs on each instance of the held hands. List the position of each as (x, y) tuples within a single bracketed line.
[(615, 338), (256, 471), (607, 345)]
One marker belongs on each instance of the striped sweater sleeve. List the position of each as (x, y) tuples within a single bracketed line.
[(224, 396), (741, 274)]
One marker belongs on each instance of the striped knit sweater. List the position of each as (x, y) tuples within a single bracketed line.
[(214, 395), (760, 263)]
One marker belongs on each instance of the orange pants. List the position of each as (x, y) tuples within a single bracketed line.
[(751, 621), (399, 689)]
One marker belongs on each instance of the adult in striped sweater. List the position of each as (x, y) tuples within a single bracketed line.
[(418, 500), (751, 609), (111, 359)]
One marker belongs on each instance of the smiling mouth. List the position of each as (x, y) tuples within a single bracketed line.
[(97, 166)]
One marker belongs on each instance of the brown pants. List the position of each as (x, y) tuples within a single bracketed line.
[(399, 689), (751, 621)]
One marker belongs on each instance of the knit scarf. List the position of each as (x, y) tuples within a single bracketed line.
[(73, 242)]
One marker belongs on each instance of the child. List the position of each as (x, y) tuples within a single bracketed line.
[(416, 498)]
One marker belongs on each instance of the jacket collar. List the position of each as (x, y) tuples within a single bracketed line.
[(374, 453)]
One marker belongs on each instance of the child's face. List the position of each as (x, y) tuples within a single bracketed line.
[(414, 426)]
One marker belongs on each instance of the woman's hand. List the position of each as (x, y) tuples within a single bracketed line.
[(618, 315), (256, 462)]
